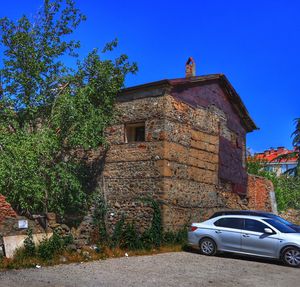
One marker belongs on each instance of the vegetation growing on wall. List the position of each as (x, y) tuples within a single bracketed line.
[(48, 110), (126, 234), (125, 238)]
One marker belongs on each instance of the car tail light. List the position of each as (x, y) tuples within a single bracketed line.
[(193, 228)]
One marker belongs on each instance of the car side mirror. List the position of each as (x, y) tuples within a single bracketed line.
[(268, 231)]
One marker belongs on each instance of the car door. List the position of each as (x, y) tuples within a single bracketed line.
[(228, 233), (255, 241)]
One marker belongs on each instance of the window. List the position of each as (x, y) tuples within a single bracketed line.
[(280, 226), (135, 132), (236, 223), (254, 225)]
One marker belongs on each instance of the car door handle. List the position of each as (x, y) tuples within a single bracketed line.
[(218, 231), (246, 235)]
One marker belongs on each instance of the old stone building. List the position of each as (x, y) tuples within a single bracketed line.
[(182, 142)]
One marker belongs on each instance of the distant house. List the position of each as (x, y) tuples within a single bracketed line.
[(274, 162)]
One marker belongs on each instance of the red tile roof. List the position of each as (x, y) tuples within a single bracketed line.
[(271, 154), (5, 209)]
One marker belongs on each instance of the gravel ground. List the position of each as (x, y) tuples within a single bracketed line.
[(169, 269)]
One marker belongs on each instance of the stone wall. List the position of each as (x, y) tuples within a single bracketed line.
[(191, 163), (178, 164), (133, 171), (192, 160)]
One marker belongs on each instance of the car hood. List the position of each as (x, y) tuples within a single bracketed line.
[(293, 237)]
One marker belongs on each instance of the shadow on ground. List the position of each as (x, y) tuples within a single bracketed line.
[(237, 257)]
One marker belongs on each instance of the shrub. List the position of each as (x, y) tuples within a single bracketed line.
[(179, 237), (29, 246), (50, 247), (117, 234), (130, 238), (100, 216)]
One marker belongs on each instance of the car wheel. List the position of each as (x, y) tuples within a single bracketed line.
[(208, 247), (291, 256)]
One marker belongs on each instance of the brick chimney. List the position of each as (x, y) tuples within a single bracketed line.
[(190, 68)]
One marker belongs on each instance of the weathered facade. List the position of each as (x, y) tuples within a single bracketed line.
[(181, 142)]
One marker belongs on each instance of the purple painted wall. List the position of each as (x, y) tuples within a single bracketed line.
[(230, 151)]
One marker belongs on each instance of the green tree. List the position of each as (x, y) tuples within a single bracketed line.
[(296, 144), (48, 110)]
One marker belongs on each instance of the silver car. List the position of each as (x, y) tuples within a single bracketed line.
[(248, 235)]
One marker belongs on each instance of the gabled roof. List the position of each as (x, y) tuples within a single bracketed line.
[(159, 88)]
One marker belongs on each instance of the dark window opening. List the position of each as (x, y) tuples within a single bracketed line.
[(135, 132)]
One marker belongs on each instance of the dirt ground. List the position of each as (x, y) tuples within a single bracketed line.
[(169, 269)]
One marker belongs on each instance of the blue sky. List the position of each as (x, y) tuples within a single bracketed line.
[(255, 43)]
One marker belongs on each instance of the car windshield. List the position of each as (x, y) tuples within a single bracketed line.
[(278, 218), (280, 226)]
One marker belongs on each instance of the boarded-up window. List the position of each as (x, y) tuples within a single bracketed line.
[(135, 132)]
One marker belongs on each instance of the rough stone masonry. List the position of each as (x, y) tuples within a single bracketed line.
[(183, 143)]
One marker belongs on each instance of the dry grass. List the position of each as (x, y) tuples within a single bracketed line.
[(87, 254)]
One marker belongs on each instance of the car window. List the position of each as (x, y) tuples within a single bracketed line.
[(280, 226), (255, 225), (236, 223), (278, 218)]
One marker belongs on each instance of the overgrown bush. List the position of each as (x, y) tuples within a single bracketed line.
[(179, 237), (287, 192), (126, 235), (99, 216), (47, 248), (117, 234), (50, 247), (29, 246), (130, 238)]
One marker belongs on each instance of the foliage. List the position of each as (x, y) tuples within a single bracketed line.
[(257, 167), (287, 188), (29, 246), (287, 192), (48, 111), (127, 236), (130, 238), (99, 216), (153, 236), (49, 247), (296, 134), (179, 237), (118, 232), (33, 69)]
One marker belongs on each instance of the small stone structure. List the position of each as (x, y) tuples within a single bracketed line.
[(183, 143), (12, 234)]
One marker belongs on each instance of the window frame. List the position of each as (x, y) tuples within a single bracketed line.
[(241, 227), (255, 220), (130, 131)]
